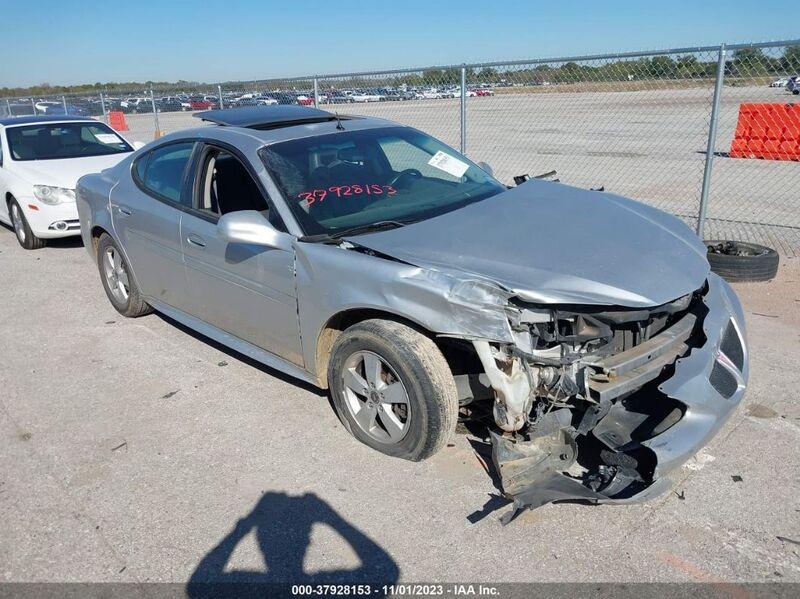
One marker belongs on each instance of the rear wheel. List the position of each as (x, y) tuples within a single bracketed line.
[(120, 286), (393, 389), (22, 229)]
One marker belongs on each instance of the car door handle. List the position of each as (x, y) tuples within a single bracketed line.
[(123, 209), (196, 241)]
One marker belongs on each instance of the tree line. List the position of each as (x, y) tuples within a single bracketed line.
[(745, 62)]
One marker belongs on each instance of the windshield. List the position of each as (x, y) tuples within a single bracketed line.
[(64, 140), (355, 178)]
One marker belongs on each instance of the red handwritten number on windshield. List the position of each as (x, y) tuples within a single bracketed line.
[(341, 191)]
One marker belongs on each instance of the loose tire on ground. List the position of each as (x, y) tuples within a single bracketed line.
[(739, 261), (425, 376), (22, 229), (130, 303)]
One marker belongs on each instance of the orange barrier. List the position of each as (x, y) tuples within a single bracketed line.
[(116, 120), (767, 131)]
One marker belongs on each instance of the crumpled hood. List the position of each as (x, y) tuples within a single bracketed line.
[(552, 243), (64, 172)]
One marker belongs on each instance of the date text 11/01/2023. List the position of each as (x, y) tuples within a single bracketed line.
[(341, 191), (397, 590)]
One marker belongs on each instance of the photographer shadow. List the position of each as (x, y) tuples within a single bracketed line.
[(282, 526)]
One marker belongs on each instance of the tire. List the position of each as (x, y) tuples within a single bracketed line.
[(22, 229), (738, 261), (129, 303), (410, 359)]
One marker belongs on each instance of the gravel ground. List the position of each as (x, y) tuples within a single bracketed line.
[(135, 451), (648, 145)]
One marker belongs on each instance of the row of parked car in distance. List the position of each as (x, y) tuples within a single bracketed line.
[(93, 106)]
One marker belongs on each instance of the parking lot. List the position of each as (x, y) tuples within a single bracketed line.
[(136, 451)]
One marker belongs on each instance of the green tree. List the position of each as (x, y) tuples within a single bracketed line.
[(662, 67), (790, 62), (750, 62), (487, 75)]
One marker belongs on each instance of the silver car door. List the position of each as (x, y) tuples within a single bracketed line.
[(146, 208), (246, 290)]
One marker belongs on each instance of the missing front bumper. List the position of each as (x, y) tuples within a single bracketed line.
[(707, 383)]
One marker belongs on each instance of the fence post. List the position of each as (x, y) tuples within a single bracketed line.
[(33, 107), (712, 142), (155, 115), (463, 109), (8, 106), (64, 103), (316, 92), (103, 107), (219, 92)]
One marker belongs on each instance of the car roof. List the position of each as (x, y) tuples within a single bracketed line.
[(252, 139), (31, 119), (266, 117)]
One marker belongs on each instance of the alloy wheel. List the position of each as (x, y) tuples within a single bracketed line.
[(376, 397), (116, 275)]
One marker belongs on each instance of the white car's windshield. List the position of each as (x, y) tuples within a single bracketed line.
[(351, 179), (53, 141)]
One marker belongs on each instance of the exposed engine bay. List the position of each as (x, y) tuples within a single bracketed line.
[(579, 397)]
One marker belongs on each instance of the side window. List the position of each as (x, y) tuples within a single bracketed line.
[(141, 165), (164, 169), (226, 186)]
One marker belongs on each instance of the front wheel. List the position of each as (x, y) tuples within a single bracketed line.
[(393, 389), (22, 229), (120, 287)]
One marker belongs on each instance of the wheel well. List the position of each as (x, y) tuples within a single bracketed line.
[(339, 323), (460, 355), (97, 231)]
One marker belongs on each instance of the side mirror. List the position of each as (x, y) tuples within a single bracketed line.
[(249, 226), (486, 168), (138, 145)]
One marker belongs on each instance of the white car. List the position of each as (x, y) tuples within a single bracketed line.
[(782, 82), (41, 160), (133, 103), (432, 94), (365, 97)]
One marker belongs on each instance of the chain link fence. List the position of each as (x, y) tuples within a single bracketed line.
[(636, 124)]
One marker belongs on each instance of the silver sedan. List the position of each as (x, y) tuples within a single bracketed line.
[(367, 258)]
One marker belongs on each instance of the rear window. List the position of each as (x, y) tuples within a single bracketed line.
[(63, 140)]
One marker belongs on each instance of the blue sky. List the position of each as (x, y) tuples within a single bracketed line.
[(74, 41)]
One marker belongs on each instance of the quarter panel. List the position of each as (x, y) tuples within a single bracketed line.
[(91, 198)]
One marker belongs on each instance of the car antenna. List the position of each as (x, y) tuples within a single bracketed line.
[(339, 126)]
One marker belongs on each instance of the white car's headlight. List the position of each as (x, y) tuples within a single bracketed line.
[(53, 195)]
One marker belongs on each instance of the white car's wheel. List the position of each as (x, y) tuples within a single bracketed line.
[(22, 229)]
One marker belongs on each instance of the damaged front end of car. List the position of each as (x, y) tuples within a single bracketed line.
[(599, 403)]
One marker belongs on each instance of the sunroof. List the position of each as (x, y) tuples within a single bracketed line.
[(265, 117)]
